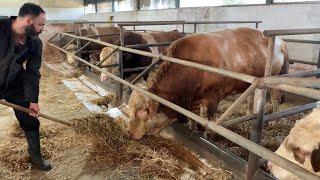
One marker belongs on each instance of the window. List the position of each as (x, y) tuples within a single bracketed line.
[(104, 7), (125, 5), (199, 3), (293, 0), (157, 4), (90, 8)]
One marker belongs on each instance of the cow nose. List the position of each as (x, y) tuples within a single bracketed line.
[(103, 78)]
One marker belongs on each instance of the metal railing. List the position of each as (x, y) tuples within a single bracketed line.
[(254, 147)]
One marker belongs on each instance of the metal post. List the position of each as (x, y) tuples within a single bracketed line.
[(256, 131), (182, 28), (318, 65), (257, 25), (194, 28), (134, 28), (121, 65)]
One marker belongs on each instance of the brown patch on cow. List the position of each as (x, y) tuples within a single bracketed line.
[(170, 36), (315, 160)]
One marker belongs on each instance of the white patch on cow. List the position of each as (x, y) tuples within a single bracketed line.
[(150, 40), (278, 57), (114, 112), (95, 30)]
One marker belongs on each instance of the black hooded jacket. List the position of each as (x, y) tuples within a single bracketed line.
[(11, 63)]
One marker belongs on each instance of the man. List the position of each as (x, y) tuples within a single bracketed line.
[(19, 43)]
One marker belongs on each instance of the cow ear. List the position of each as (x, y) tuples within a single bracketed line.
[(299, 154), (315, 160)]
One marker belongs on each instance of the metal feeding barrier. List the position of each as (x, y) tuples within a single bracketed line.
[(289, 83)]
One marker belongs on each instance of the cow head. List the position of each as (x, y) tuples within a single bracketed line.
[(71, 60), (301, 146), (145, 116), (113, 59)]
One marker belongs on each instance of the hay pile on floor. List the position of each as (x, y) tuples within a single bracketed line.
[(152, 156), (13, 148), (104, 100)]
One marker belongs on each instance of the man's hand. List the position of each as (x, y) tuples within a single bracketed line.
[(34, 107)]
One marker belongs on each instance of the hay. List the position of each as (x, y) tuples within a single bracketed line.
[(152, 156), (13, 148), (104, 100)]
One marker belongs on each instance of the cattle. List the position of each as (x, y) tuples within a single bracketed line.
[(301, 147), (111, 35), (131, 60), (242, 50)]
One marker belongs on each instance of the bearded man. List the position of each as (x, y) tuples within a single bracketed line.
[(19, 84)]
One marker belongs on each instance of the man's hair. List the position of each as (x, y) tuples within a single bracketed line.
[(31, 9)]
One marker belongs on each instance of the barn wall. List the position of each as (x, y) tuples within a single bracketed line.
[(56, 9), (277, 16)]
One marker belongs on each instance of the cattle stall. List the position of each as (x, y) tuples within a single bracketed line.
[(291, 83)]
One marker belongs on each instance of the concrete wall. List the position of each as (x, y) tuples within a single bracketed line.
[(56, 9), (277, 16)]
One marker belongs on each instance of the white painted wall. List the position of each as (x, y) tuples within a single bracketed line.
[(279, 16), (55, 9)]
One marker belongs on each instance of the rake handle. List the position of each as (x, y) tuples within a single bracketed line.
[(23, 109)]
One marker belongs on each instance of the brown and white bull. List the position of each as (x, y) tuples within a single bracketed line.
[(241, 50), (301, 146), (131, 60)]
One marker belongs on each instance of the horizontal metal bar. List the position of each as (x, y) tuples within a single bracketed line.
[(306, 92), (188, 22), (281, 32), (239, 120), (302, 41), (134, 69), (302, 62), (298, 81), (109, 65), (245, 143), (302, 74), (115, 22), (290, 112), (102, 35), (227, 73), (90, 52), (137, 46)]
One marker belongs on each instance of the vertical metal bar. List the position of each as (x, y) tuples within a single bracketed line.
[(257, 25), (134, 28), (318, 66), (256, 132), (177, 4), (194, 28), (183, 28), (96, 6), (259, 103), (121, 65), (113, 7)]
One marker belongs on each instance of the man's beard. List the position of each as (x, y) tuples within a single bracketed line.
[(31, 31)]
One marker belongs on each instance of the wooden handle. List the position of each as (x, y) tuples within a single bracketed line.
[(20, 108)]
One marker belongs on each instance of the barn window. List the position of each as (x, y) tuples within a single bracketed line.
[(199, 3), (284, 1), (90, 8), (104, 7), (125, 5), (156, 4)]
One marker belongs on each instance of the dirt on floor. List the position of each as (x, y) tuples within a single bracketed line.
[(76, 155)]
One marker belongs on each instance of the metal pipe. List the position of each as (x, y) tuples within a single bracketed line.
[(301, 41), (302, 62), (145, 71), (257, 25), (279, 115), (115, 22), (239, 120), (307, 92), (108, 55), (64, 47), (237, 103), (318, 65), (134, 69), (93, 36), (109, 65), (281, 32), (302, 74), (137, 46), (120, 93), (83, 47), (256, 131), (268, 67), (243, 142), (26, 110), (230, 74), (194, 28), (189, 22), (298, 81)]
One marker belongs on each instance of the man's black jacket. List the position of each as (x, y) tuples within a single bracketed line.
[(11, 63)]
